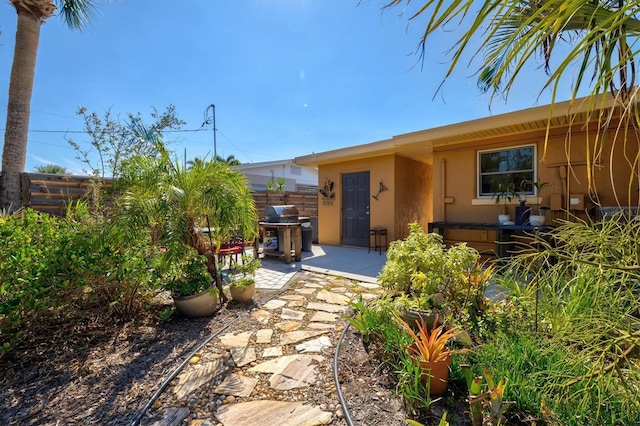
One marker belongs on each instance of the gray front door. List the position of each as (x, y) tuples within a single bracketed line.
[(355, 209)]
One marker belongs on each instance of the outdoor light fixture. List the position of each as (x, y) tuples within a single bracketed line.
[(207, 121)]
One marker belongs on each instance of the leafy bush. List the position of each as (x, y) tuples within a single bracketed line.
[(187, 276), (48, 262), (421, 273), (33, 249)]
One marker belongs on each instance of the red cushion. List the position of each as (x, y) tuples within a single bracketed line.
[(226, 249)]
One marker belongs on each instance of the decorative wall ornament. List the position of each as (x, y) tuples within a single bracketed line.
[(382, 189), (327, 190)]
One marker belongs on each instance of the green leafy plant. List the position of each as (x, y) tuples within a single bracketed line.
[(187, 276), (173, 203), (474, 385), (539, 186), (424, 278), (365, 319), (421, 264), (504, 195), (245, 271), (490, 397)]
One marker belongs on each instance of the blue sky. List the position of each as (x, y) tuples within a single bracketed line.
[(287, 77)]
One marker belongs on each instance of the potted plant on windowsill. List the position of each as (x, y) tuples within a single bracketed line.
[(504, 195), (538, 218), (430, 351), (243, 284)]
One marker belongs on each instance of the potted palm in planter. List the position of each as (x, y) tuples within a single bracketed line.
[(243, 284), (430, 351), (177, 202)]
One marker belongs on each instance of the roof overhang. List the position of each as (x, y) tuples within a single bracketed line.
[(419, 145)]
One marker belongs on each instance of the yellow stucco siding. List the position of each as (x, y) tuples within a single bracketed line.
[(381, 212), (455, 177), (407, 197)]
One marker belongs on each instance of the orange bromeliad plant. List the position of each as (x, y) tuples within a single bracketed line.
[(430, 346)]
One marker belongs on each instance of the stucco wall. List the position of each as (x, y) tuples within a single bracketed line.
[(330, 210), (413, 196), (455, 179)]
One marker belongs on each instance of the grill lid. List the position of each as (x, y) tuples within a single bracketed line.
[(281, 213)]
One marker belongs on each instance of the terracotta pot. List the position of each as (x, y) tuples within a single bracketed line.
[(198, 305), (435, 375), (243, 294)]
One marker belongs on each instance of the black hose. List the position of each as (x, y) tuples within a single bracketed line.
[(136, 420), (165, 383), (343, 403)]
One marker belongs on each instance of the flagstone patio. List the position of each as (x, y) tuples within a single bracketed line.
[(269, 367)]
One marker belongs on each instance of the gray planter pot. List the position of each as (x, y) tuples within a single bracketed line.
[(202, 304)]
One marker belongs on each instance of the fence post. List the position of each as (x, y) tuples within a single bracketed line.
[(25, 189)]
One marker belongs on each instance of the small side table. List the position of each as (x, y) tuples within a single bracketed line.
[(377, 234)]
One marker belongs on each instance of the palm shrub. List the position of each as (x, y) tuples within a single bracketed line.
[(173, 203)]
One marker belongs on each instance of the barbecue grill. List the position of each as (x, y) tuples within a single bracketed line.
[(281, 214)]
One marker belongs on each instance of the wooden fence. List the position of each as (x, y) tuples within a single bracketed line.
[(54, 193)]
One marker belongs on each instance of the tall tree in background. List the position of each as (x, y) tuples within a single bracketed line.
[(593, 42), (230, 160), (113, 140), (31, 15)]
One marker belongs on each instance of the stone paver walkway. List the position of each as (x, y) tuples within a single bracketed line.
[(270, 367)]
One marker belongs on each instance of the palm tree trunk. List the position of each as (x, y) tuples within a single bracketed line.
[(197, 242), (18, 109)]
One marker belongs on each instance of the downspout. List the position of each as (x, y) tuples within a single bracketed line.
[(443, 189)]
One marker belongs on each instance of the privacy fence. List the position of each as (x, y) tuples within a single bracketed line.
[(54, 193)]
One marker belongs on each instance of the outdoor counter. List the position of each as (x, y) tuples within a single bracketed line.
[(290, 232), (504, 233)]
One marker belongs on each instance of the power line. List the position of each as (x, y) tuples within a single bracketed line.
[(84, 131)]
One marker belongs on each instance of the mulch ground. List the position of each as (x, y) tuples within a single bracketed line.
[(87, 368)]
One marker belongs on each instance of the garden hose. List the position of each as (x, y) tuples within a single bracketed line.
[(343, 403), (165, 383), (136, 420), (345, 410)]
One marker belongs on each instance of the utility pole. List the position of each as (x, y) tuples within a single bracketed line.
[(206, 121)]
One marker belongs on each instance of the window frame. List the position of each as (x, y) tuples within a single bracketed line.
[(479, 173)]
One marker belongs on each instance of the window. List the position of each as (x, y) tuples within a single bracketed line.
[(505, 167)]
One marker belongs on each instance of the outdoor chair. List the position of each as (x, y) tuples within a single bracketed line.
[(233, 247)]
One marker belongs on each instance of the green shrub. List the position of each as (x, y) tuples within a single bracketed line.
[(584, 280), (33, 248), (422, 274), (47, 262)]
